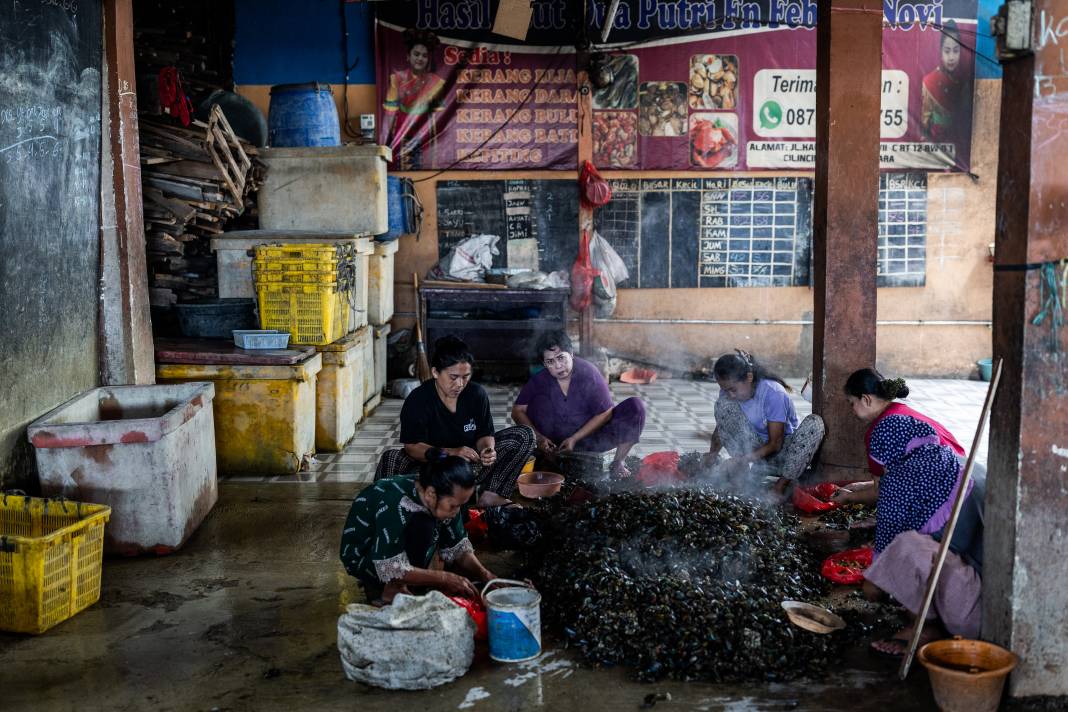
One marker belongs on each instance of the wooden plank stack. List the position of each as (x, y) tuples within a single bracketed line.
[(195, 181)]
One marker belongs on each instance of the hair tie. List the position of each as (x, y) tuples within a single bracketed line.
[(745, 356)]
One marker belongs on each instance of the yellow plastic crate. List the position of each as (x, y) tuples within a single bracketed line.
[(309, 256), (315, 314), (51, 553), (296, 277)]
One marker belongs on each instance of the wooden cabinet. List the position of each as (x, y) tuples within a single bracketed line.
[(499, 325)]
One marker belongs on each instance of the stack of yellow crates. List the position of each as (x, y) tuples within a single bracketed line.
[(305, 289)]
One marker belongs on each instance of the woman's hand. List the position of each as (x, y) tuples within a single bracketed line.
[(488, 456), (464, 452), (545, 444), (843, 496), (456, 585), (568, 445)]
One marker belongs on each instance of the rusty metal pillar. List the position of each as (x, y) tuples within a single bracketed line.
[(1025, 602), (845, 220), (126, 352)]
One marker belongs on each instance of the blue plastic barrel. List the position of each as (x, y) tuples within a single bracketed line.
[(303, 115), (397, 204)]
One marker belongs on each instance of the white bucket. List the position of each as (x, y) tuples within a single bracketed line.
[(513, 616)]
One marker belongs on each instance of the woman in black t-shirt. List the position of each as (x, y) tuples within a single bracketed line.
[(448, 415)]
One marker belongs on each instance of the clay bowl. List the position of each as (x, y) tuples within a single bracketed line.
[(536, 485), (812, 618)]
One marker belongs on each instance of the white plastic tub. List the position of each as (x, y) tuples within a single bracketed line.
[(148, 452)]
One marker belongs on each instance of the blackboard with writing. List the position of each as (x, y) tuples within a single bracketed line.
[(683, 233), (537, 220), (711, 232), (50, 155)]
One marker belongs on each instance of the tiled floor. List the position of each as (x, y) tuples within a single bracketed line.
[(677, 413)]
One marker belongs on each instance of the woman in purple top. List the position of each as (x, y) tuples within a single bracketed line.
[(757, 424), (569, 406)]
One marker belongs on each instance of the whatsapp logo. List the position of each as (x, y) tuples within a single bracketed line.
[(770, 115)]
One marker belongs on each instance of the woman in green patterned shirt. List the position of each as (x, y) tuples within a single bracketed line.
[(397, 525)]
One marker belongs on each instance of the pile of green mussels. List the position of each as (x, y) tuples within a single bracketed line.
[(684, 583)]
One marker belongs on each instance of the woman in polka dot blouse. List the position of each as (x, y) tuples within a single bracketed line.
[(917, 466)]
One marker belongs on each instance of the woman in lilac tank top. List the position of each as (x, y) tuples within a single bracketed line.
[(570, 408)]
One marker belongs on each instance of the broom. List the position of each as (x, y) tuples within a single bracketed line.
[(422, 367)]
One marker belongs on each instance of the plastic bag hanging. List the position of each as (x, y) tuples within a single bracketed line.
[(582, 276)]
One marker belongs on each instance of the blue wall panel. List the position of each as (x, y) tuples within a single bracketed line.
[(283, 42)]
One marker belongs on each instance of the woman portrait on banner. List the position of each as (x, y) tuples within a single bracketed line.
[(414, 94), (947, 92)]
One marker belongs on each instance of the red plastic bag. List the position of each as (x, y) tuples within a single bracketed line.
[(582, 276), (594, 190), (172, 98), (476, 526), (660, 468), (477, 611), (847, 568), (815, 499)]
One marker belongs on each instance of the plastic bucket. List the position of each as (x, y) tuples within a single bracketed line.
[(967, 675), (397, 202), (514, 617), (303, 115), (986, 367)]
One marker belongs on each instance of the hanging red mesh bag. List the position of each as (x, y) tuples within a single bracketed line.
[(582, 276), (593, 189), (847, 568), (477, 611), (660, 468)]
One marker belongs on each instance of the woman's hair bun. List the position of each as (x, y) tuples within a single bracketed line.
[(894, 388)]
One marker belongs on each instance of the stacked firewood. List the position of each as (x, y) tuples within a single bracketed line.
[(195, 181)]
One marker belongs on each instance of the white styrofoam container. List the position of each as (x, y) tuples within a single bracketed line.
[(331, 188), (148, 452), (380, 283)]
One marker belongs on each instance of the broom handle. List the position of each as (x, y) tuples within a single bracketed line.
[(947, 533), (418, 308)]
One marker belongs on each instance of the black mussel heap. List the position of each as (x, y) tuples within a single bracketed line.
[(846, 515), (684, 583)]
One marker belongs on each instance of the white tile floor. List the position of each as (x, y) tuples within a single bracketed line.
[(677, 411)]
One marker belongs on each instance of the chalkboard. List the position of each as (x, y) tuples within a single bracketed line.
[(50, 105), (902, 229), (517, 211), (686, 232), (711, 232)]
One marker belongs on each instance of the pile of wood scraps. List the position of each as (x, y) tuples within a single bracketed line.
[(195, 181)]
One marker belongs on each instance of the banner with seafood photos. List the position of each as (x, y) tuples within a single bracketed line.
[(747, 100), (681, 85)]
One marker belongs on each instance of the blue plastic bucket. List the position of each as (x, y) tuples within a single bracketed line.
[(397, 204), (303, 115), (513, 616), (986, 367)]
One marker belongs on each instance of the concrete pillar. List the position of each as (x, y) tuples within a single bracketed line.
[(125, 329), (1025, 601), (845, 219)]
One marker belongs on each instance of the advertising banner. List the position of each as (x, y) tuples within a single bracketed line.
[(682, 85)]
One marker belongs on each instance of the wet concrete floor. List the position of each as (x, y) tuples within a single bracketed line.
[(244, 618)]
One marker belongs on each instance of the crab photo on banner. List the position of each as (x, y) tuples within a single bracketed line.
[(691, 85)]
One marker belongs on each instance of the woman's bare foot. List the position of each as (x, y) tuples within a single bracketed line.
[(898, 644)]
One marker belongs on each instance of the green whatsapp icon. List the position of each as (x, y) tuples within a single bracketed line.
[(770, 115)]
